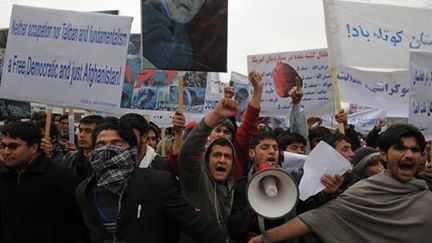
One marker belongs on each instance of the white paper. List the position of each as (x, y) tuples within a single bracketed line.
[(293, 161), (322, 160)]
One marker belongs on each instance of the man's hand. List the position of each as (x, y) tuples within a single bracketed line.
[(381, 123), (331, 183), (229, 92), (225, 108), (69, 146), (342, 117), (314, 119), (178, 121), (296, 92), (257, 239), (47, 146), (256, 80)]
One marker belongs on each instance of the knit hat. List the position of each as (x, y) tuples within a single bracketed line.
[(363, 157)]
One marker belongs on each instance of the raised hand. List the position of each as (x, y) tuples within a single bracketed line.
[(342, 117), (296, 92), (229, 92), (178, 121), (256, 80)]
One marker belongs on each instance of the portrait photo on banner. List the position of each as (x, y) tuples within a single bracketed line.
[(186, 35)]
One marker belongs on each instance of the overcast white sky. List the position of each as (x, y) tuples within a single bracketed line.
[(255, 26)]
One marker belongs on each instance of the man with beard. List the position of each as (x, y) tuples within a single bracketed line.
[(124, 203), (376, 208)]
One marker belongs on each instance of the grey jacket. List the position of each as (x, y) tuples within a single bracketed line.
[(212, 198)]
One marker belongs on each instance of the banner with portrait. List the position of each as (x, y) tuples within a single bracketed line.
[(184, 35)]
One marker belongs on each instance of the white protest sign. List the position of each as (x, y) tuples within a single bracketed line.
[(375, 35), (66, 58), (311, 66), (420, 107), (385, 90)]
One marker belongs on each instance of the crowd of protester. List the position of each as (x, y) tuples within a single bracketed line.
[(121, 181)]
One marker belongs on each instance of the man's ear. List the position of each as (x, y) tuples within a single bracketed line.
[(251, 153), (34, 148)]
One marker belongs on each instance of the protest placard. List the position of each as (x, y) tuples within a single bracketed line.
[(420, 105), (278, 71), (65, 58)]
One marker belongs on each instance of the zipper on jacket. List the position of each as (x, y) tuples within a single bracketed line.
[(19, 176)]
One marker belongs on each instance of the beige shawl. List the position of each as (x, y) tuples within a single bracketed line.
[(377, 209)]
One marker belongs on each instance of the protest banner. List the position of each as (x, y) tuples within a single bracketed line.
[(375, 35), (65, 58), (157, 90), (191, 36), (370, 51), (386, 90), (278, 71), (420, 100)]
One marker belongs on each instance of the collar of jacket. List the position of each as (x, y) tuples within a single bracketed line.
[(39, 165)]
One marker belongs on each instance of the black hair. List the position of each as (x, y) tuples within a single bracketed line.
[(394, 134), (37, 116), (122, 128), (92, 119), (136, 121), (261, 135), (54, 132), (278, 131), (318, 132), (110, 119), (288, 138), (64, 116), (333, 138), (26, 131)]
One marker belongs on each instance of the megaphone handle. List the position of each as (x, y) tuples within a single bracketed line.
[(261, 226)]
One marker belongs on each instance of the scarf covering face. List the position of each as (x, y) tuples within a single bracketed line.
[(377, 209), (113, 164)]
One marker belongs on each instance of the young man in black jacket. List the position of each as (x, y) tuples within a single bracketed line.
[(124, 203), (37, 202)]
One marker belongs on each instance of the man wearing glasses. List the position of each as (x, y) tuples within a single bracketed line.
[(37, 200)]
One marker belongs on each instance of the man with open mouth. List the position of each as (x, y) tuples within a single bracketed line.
[(243, 222), (208, 182), (376, 208)]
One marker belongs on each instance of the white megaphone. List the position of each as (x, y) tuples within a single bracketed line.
[(272, 193)]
